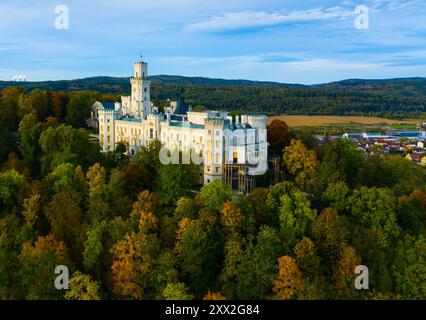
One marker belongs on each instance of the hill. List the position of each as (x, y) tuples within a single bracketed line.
[(392, 98)]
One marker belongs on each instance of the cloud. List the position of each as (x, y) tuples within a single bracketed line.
[(251, 19)]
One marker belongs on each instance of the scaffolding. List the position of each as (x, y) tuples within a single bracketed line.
[(274, 166), (237, 177)]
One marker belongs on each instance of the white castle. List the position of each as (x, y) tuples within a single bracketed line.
[(226, 146)]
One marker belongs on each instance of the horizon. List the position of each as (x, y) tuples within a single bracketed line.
[(224, 79), (307, 43)]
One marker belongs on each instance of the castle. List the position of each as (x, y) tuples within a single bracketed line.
[(231, 149)]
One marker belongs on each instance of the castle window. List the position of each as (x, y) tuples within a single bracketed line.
[(109, 139), (235, 157)]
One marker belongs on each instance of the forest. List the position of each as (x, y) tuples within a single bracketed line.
[(136, 229), (395, 98)]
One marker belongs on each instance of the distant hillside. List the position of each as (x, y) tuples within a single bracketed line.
[(393, 98), (121, 85)]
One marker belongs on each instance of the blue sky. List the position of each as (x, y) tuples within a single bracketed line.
[(286, 41)]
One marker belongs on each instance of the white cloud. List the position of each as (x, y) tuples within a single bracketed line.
[(250, 19)]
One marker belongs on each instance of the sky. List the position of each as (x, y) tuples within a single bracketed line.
[(288, 41)]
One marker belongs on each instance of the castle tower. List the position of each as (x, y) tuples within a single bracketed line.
[(213, 158), (140, 104)]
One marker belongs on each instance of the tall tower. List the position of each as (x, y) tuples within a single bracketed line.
[(141, 87)]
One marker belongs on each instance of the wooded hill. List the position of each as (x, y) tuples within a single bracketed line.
[(393, 98)]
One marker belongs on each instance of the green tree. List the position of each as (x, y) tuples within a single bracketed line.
[(177, 291), (336, 196), (214, 195), (409, 268), (78, 109), (29, 136), (341, 161), (375, 208), (82, 287), (201, 255), (176, 181), (12, 190), (257, 268)]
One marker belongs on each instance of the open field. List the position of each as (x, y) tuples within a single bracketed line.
[(313, 121)]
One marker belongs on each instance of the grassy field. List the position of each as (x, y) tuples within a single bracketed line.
[(314, 121)]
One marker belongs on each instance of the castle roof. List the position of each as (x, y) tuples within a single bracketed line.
[(108, 105)]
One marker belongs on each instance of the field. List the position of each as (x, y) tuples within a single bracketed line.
[(314, 121)]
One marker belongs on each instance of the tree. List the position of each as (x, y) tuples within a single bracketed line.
[(176, 181), (78, 110), (137, 177), (262, 213), (10, 246), (38, 263), (82, 287), (99, 208), (289, 279), (133, 264), (374, 208), (293, 209), (341, 161), (330, 233), (12, 190), (164, 272), (409, 268), (214, 296), (412, 212), (9, 117), (64, 144), (6, 142), (231, 216), (214, 195), (344, 274), (200, 255), (278, 136), (301, 163), (66, 220), (336, 196), (177, 291), (186, 208), (60, 179), (307, 259), (256, 268)]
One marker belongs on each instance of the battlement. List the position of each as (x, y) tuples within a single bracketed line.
[(214, 122)]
